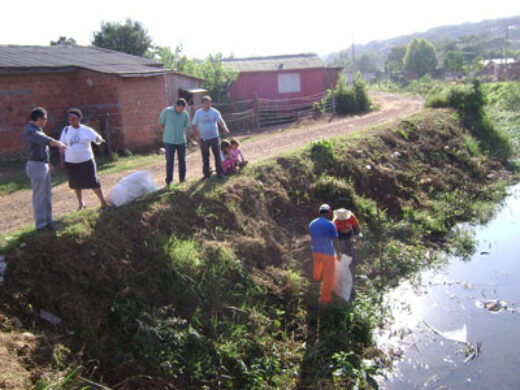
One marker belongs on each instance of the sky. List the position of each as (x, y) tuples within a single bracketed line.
[(243, 28)]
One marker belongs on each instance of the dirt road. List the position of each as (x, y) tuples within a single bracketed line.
[(16, 208)]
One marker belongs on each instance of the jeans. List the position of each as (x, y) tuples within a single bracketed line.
[(40, 175), (170, 157), (212, 143)]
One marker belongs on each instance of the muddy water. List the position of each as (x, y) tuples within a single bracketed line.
[(477, 300)]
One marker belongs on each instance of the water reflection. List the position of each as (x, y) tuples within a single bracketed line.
[(443, 313)]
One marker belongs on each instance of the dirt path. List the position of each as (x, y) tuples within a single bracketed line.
[(16, 208)]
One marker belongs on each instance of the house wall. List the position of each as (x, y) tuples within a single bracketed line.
[(56, 92), (265, 84), (142, 99)]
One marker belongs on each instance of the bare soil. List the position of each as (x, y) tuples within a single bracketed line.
[(16, 208)]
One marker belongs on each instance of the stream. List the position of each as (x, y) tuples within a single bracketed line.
[(457, 326)]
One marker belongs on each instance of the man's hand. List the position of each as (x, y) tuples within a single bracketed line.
[(199, 141), (226, 130), (52, 169)]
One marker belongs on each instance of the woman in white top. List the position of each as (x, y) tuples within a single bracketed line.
[(78, 158)]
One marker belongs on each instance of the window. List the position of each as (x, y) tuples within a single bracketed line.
[(289, 82)]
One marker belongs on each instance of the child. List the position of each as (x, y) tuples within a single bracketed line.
[(227, 162), (236, 154)]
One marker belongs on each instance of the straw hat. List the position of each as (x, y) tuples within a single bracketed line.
[(342, 214)]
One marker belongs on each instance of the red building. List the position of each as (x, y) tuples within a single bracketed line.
[(116, 90), (281, 77)]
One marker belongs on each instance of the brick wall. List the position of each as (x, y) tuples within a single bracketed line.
[(20, 93), (57, 92), (142, 99)]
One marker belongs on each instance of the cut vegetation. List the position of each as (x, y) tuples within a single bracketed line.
[(207, 286)]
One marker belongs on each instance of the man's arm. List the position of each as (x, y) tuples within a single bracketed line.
[(196, 134), (335, 242), (224, 126)]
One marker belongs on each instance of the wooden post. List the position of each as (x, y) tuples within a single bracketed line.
[(108, 138), (255, 108), (333, 100)]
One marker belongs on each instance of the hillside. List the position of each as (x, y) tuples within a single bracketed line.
[(207, 286), (488, 34)]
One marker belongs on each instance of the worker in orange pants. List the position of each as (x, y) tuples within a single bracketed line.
[(324, 238)]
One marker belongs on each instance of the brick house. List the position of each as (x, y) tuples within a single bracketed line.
[(501, 69), (116, 90), (281, 77)]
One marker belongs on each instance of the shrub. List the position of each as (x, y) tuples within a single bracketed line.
[(348, 100), (469, 101)]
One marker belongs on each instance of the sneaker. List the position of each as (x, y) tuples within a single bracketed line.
[(206, 177)]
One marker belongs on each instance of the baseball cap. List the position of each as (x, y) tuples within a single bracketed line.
[(207, 97), (325, 208)]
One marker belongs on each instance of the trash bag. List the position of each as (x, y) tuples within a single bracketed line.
[(131, 187), (343, 278)]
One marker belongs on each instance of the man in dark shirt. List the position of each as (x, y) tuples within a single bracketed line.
[(38, 169)]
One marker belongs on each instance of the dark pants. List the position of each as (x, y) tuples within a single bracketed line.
[(346, 245), (170, 157), (212, 143)]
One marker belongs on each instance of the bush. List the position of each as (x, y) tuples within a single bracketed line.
[(469, 101), (348, 99)]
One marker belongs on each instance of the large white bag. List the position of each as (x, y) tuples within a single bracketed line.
[(343, 277), (131, 187)]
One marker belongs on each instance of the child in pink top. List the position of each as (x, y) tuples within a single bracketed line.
[(228, 165), (236, 154)]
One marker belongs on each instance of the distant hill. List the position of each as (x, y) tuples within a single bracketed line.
[(489, 34)]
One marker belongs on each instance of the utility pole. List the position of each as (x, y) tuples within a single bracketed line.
[(353, 61), (505, 46)]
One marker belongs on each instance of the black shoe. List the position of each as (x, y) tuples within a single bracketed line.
[(221, 176), (206, 177)]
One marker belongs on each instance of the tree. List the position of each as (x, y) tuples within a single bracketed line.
[(394, 62), (368, 63), (219, 78), (62, 40), (453, 61), (129, 38), (420, 57)]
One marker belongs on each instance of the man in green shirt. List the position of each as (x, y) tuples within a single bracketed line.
[(174, 121)]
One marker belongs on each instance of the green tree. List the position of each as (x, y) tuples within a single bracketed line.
[(453, 61), (129, 38), (62, 40), (420, 57), (176, 60), (219, 78), (394, 62)]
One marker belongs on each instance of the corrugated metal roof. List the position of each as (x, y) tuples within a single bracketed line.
[(285, 62), (89, 57)]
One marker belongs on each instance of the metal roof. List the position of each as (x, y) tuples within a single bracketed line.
[(23, 58), (284, 62)]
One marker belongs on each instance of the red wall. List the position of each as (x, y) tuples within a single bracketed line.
[(57, 92), (142, 99), (265, 84)]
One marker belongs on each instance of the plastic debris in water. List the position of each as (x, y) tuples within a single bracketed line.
[(49, 317)]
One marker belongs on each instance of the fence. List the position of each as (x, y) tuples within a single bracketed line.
[(256, 113)]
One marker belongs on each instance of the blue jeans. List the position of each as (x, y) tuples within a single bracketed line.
[(40, 175), (212, 143), (170, 157)]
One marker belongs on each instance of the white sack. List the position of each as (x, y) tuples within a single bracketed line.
[(343, 277), (131, 187)]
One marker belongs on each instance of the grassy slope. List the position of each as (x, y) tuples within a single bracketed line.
[(208, 284)]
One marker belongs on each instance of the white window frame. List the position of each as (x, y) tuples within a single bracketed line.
[(289, 83)]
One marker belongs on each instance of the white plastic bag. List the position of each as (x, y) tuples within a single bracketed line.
[(343, 278), (131, 187)]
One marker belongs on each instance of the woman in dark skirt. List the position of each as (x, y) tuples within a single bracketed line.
[(78, 158)]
